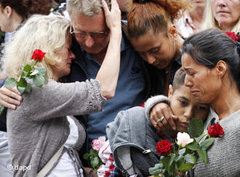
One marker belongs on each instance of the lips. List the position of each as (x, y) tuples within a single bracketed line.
[(195, 92), (222, 12), (183, 124)]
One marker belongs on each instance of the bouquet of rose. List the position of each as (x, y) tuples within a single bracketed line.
[(95, 160), (29, 74), (177, 159)]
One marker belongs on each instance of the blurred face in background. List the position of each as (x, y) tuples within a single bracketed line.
[(226, 13), (4, 20), (198, 3)]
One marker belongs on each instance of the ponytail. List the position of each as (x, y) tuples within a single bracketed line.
[(155, 15)]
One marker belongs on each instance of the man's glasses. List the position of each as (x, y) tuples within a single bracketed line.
[(95, 35)]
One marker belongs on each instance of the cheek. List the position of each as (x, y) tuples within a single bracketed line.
[(236, 14), (80, 41), (177, 109)]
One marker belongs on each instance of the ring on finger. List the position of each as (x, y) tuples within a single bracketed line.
[(160, 120)]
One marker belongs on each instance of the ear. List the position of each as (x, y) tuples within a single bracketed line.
[(8, 11), (221, 68), (170, 91), (172, 31)]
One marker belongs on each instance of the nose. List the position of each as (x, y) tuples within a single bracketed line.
[(150, 59), (221, 3), (89, 41), (188, 112), (187, 81)]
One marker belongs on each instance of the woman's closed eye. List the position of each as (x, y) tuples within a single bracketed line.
[(154, 50), (203, 107)]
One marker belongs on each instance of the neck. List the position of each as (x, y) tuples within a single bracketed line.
[(197, 16), (100, 56), (16, 21), (179, 44), (226, 27), (228, 101)]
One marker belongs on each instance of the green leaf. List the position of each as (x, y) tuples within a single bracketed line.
[(179, 161), (33, 73), (22, 83), (1, 109), (92, 151), (41, 70), (28, 88), (38, 80), (190, 158), (27, 68), (182, 151), (21, 73), (86, 156), (186, 167), (157, 169), (203, 155), (168, 161), (10, 82), (193, 146), (95, 162), (21, 89), (206, 143), (195, 127)]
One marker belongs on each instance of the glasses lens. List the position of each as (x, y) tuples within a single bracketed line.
[(98, 35), (94, 35)]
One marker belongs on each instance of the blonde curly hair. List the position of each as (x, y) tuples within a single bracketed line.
[(48, 33)]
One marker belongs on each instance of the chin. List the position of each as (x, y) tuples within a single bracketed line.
[(181, 129)]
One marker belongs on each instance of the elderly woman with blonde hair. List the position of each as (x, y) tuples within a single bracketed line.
[(223, 14), (42, 136)]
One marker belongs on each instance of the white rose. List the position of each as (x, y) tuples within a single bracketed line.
[(183, 139)]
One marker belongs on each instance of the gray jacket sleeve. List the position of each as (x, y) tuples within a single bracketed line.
[(62, 99), (151, 102)]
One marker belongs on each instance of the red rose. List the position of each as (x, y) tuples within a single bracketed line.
[(232, 35), (38, 55), (215, 130), (164, 147)]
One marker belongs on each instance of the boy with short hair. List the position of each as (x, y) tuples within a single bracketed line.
[(133, 138)]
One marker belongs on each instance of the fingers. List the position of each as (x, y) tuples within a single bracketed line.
[(159, 111), (10, 97), (167, 112), (113, 16), (15, 90), (105, 7)]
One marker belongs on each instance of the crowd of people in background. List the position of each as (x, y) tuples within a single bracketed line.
[(134, 71)]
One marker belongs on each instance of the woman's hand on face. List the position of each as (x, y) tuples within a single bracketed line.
[(162, 118), (113, 16), (10, 97)]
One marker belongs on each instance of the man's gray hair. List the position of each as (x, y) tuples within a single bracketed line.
[(86, 7)]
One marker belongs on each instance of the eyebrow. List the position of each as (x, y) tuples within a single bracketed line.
[(186, 68), (184, 98)]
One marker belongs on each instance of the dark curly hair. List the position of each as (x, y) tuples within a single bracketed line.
[(26, 8)]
